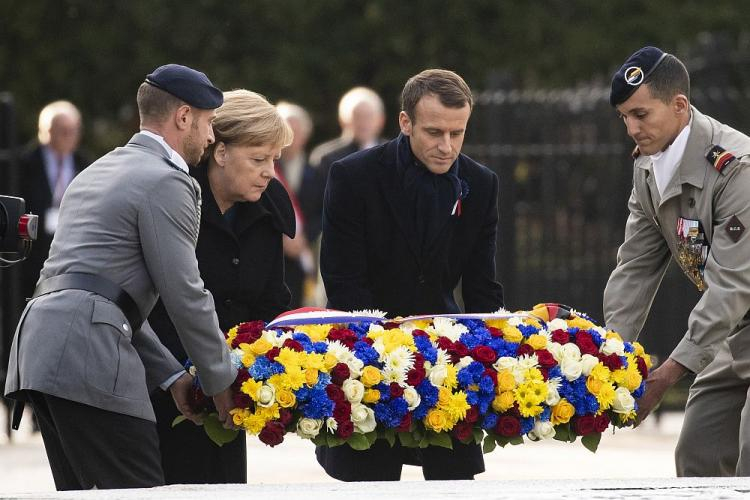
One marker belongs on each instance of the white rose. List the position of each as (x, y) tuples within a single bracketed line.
[(355, 366), (308, 428), (544, 430), (363, 418), (412, 398), (571, 368), (464, 362), (624, 402), (556, 350), (505, 363), (437, 375), (557, 324), (553, 396), (353, 390), (331, 425), (588, 362), (613, 346), (266, 396), (571, 351)]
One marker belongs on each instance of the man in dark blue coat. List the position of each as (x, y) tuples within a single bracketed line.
[(403, 224)]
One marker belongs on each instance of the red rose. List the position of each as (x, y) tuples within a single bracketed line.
[(642, 368), (546, 360), (242, 375), (335, 393), (560, 336), (419, 333), (544, 371), (586, 344), (340, 373), (525, 349), (285, 416), (508, 426), (247, 333), (612, 361), (584, 425), (405, 424), (241, 400), (342, 411), (272, 434), (472, 415), (601, 422), (345, 429), (460, 349), (396, 390), (495, 332), (463, 431), (484, 354), (343, 335), (444, 343), (272, 353), (415, 376), (293, 345), (390, 325)]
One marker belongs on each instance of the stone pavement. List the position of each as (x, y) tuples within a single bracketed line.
[(633, 463)]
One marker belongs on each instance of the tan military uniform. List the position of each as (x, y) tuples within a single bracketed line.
[(701, 222)]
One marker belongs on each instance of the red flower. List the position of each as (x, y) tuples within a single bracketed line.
[(293, 345), (641, 365), (345, 429), (560, 336), (342, 411), (241, 400), (460, 349), (584, 425), (367, 340), (508, 426), (484, 354), (419, 333), (390, 325), (340, 373), (472, 415), (242, 375), (343, 335), (396, 390), (272, 353), (335, 393), (285, 416), (272, 434), (247, 333), (463, 431), (612, 361), (444, 343), (495, 332), (586, 344), (546, 360), (415, 376), (525, 349), (601, 422), (418, 360), (405, 424)]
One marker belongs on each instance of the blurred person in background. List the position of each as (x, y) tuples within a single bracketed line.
[(245, 213), (306, 193)]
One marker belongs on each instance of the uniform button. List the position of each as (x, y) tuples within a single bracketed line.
[(125, 327), (228, 302), (236, 262), (420, 279)]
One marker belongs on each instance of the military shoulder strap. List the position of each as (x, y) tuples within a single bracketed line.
[(719, 157)]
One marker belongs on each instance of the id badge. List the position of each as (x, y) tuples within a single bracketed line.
[(692, 250)]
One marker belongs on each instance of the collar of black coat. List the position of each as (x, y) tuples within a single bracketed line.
[(274, 203)]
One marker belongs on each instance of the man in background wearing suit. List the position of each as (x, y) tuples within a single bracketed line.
[(126, 234), (403, 223)]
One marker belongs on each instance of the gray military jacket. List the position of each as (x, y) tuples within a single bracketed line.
[(711, 207), (131, 217)]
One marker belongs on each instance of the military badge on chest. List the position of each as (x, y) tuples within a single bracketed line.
[(692, 250)]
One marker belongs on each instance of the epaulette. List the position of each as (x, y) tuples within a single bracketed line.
[(719, 157), (636, 153)]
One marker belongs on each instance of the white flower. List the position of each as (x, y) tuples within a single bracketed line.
[(447, 327), (339, 351), (353, 390), (515, 321), (624, 402), (601, 331), (505, 363), (379, 346), (464, 362), (542, 430), (331, 425), (588, 362), (363, 418), (308, 428), (553, 396), (557, 324), (355, 366), (437, 375), (274, 339), (400, 359), (556, 350), (571, 351), (613, 346), (369, 312), (442, 357), (390, 376), (266, 395), (412, 397), (526, 362), (571, 368), (375, 328)]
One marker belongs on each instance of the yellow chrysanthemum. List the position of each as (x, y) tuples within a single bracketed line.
[(633, 379), (627, 417), (251, 388), (437, 420), (313, 360), (618, 376), (451, 377), (537, 341), (528, 408), (512, 334), (311, 376), (289, 358), (253, 423), (260, 347), (505, 381), (456, 407), (503, 401), (562, 412), (295, 378), (532, 391), (395, 338), (231, 335), (371, 396), (605, 396), (286, 398), (533, 375), (613, 335), (421, 324), (500, 324), (269, 412), (638, 349), (370, 376), (578, 322), (600, 373), (316, 333)]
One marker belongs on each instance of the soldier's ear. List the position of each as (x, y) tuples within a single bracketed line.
[(681, 104), (405, 123)]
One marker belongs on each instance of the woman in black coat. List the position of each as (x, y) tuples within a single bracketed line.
[(245, 211)]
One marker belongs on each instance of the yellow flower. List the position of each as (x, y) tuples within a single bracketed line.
[(529, 409), (436, 420), (505, 381), (248, 359), (632, 379), (421, 324), (289, 358), (260, 346), (456, 407), (295, 377), (311, 376), (613, 335), (537, 390), (268, 413), (626, 417), (618, 376), (638, 349), (238, 415), (579, 322), (396, 337), (503, 401), (497, 323), (537, 341), (371, 396), (253, 423), (285, 398), (605, 396), (251, 388), (316, 333), (451, 377), (329, 361), (533, 375), (231, 335), (370, 376), (512, 334), (313, 360), (444, 396), (562, 412), (593, 385), (600, 373)]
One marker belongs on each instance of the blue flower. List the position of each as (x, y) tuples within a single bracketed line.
[(527, 424), (503, 348), (320, 347), (489, 421), (391, 414), (470, 374), (596, 337), (264, 368), (424, 346), (629, 347), (366, 353), (641, 389), (527, 330), (319, 405), (429, 396)]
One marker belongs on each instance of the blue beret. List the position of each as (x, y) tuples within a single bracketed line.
[(634, 73), (187, 84)]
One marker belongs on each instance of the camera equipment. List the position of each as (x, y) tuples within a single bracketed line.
[(17, 230)]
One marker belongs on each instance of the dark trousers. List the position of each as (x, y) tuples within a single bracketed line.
[(382, 463), (89, 447), (188, 456)]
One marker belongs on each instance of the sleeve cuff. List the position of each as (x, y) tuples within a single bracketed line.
[(692, 356), (164, 386)]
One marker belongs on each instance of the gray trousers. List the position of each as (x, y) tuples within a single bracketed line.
[(715, 436)]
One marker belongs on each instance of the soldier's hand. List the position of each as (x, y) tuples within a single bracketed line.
[(224, 402), (657, 383), (180, 391)]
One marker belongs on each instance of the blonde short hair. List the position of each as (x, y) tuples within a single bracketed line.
[(50, 112), (248, 119), (354, 98)]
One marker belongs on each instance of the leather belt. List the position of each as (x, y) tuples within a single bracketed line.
[(98, 285)]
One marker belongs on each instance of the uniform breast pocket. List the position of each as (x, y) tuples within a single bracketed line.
[(109, 349)]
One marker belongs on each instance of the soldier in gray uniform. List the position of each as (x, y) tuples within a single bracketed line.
[(690, 202), (82, 354)]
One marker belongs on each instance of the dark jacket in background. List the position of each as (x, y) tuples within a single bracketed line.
[(242, 266)]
